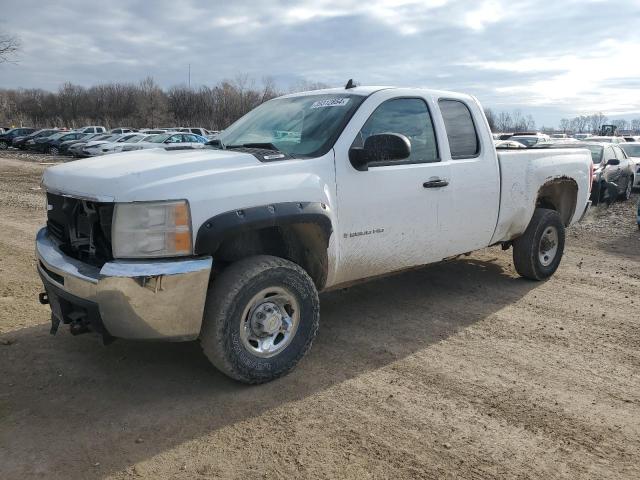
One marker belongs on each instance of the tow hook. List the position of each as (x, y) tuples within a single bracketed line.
[(43, 298)]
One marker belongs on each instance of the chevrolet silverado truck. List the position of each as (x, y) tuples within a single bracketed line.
[(231, 244)]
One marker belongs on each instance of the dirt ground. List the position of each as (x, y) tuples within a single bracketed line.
[(457, 370)]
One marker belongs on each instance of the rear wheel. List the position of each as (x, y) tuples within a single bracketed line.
[(537, 253), (261, 316), (3, 145), (53, 150)]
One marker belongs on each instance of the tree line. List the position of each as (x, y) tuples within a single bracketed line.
[(593, 123), (139, 105)]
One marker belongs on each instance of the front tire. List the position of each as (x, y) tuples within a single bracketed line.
[(261, 316), (537, 253), (626, 195), (3, 145)]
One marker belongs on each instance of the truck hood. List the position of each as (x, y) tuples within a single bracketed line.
[(141, 175)]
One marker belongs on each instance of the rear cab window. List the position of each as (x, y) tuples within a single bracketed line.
[(461, 131)]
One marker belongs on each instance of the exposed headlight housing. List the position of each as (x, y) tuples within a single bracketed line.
[(151, 229)]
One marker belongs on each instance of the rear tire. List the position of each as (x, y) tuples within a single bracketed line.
[(3, 145), (53, 150), (538, 252), (251, 308)]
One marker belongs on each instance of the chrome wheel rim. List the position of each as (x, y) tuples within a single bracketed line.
[(269, 322), (548, 246)]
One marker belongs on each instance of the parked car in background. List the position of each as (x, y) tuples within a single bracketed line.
[(153, 131), (51, 144), (603, 139), (203, 132), (92, 147), (508, 144), (629, 138), (75, 150), (92, 129), (63, 149), (530, 140), (632, 149), (613, 174), (559, 135), (7, 137), (120, 144), (122, 130), (27, 142), (176, 140), (102, 147), (581, 136)]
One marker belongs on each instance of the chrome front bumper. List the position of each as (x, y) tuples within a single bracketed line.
[(136, 299)]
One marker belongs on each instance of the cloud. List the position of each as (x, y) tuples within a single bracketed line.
[(566, 57)]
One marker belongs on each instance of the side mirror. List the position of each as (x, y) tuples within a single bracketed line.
[(383, 147), (613, 162)]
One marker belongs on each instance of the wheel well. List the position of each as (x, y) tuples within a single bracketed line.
[(305, 244), (561, 195)]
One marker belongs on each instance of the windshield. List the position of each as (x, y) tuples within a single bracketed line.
[(159, 138), (299, 126), (596, 152), (529, 141), (631, 150)]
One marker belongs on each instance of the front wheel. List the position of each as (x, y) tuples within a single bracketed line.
[(53, 150), (537, 253), (626, 195), (3, 145), (261, 316)]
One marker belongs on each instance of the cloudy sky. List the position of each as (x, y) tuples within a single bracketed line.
[(549, 58)]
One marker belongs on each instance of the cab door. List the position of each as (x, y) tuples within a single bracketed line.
[(389, 214), (471, 212)]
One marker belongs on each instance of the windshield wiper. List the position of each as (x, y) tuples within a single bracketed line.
[(265, 145)]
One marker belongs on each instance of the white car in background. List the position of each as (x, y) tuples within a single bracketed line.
[(203, 132), (605, 139), (581, 136), (508, 144), (119, 144), (92, 129), (632, 149), (530, 140), (169, 140), (93, 148)]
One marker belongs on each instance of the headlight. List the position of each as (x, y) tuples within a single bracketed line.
[(151, 229)]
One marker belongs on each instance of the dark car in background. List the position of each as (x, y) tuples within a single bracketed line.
[(7, 137), (613, 173), (51, 144), (63, 148), (27, 141)]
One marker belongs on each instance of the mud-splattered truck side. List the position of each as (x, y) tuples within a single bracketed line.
[(231, 244)]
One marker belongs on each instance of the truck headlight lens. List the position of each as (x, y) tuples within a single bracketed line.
[(151, 229)]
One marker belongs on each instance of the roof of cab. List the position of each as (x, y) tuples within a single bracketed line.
[(367, 90)]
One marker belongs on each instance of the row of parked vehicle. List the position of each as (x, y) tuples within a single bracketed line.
[(616, 159), (95, 140)]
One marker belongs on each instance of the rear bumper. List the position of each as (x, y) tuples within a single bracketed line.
[(132, 299)]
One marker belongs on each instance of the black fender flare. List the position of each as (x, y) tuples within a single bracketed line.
[(214, 230)]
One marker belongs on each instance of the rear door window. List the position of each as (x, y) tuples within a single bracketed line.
[(461, 131)]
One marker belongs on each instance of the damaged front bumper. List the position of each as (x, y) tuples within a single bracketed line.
[(132, 299)]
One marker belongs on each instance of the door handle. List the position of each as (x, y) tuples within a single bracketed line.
[(436, 183)]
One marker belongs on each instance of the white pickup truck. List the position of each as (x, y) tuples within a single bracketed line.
[(231, 244)]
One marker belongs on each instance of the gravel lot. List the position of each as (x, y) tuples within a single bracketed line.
[(458, 370)]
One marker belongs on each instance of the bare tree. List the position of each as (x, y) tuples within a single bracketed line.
[(635, 125), (565, 124), (596, 121), (9, 46)]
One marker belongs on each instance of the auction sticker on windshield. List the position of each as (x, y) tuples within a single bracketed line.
[(330, 102)]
